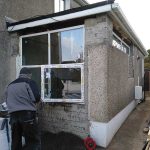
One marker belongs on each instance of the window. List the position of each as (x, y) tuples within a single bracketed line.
[(67, 46), (35, 50), (120, 44), (61, 5), (63, 83), (56, 60)]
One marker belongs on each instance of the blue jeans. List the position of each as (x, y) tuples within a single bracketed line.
[(25, 123)]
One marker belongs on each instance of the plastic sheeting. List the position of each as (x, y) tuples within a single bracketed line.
[(5, 144)]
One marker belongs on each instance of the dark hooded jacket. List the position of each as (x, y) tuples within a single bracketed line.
[(22, 94)]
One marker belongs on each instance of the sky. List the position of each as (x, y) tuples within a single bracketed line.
[(137, 13)]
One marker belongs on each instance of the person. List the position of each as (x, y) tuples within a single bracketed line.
[(22, 95), (56, 86)]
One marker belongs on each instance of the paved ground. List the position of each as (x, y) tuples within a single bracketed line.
[(129, 137)]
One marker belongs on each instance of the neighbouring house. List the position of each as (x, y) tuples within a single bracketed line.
[(86, 61), (146, 83)]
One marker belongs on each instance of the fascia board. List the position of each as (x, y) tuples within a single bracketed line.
[(66, 17)]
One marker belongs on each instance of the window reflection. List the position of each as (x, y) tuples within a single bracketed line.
[(120, 44), (35, 50), (64, 83), (67, 46)]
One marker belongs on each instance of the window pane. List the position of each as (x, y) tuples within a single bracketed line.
[(126, 49), (67, 46), (116, 42), (36, 76), (62, 83), (35, 50)]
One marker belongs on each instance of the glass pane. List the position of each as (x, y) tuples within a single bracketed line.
[(36, 76), (35, 50), (62, 83), (116, 42), (67, 46), (126, 49)]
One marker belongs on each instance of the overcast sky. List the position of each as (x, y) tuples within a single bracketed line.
[(137, 13)]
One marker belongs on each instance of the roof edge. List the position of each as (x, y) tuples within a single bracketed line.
[(69, 11), (118, 14), (57, 17)]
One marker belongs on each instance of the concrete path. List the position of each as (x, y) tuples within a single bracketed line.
[(130, 136)]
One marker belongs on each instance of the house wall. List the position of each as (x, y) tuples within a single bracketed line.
[(120, 85), (54, 117), (9, 46), (98, 41), (18, 10), (112, 74)]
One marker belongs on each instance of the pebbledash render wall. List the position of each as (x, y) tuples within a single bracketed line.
[(110, 76)]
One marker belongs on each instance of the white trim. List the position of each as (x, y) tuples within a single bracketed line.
[(67, 4), (31, 66), (49, 48), (103, 133), (80, 14), (53, 31), (56, 5), (61, 5)]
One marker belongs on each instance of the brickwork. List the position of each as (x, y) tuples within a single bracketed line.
[(70, 118)]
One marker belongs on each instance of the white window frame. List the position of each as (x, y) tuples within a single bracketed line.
[(61, 5), (78, 65), (74, 65), (121, 42)]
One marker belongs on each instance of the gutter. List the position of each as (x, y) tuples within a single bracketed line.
[(119, 16)]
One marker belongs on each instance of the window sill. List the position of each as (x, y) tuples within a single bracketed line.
[(81, 101)]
